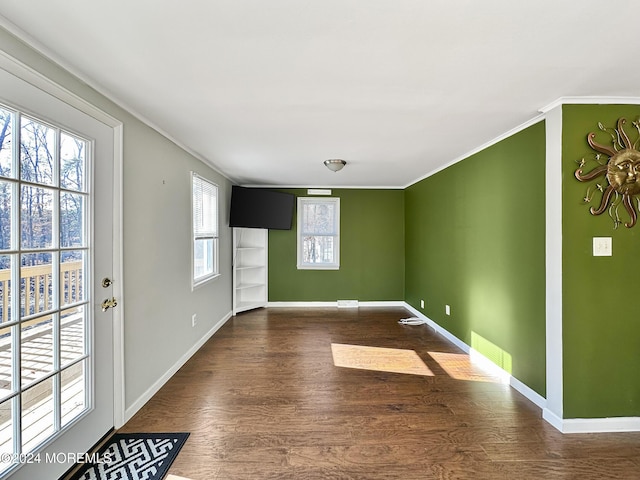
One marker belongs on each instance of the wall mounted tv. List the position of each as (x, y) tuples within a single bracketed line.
[(261, 208)]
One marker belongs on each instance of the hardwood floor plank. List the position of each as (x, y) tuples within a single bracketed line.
[(264, 400)]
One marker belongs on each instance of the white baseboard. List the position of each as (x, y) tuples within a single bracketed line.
[(525, 390), (333, 304), (151, 391), (477, 357), (445, 333), (593, 425), (552, 419), (301, 304)]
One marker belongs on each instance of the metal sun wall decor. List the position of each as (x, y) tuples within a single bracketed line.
[(620, 165)]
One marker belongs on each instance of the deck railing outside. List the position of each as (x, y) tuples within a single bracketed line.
[(36, 296), (36, 292)]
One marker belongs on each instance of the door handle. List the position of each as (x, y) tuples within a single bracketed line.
[(109, 303)]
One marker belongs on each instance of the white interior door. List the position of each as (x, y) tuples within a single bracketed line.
[(56, 247)]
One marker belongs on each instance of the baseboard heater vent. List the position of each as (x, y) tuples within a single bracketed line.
[(347, 303)]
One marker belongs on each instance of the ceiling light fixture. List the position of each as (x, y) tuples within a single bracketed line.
[(335, 164)]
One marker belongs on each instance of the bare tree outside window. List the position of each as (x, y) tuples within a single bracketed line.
[(6, 163), (48, 180)]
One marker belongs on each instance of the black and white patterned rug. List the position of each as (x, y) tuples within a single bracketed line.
[(134, 456)]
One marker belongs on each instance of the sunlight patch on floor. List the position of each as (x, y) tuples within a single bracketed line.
[(460, 366), (393, 360)]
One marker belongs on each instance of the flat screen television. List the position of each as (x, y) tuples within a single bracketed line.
[(261, 208)]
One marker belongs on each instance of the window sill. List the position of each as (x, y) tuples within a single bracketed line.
[(195, 284), (318, 267)]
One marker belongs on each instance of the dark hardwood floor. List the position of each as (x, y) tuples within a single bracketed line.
[(263, 400)]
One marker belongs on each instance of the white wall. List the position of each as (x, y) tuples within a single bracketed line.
[(158, 301)]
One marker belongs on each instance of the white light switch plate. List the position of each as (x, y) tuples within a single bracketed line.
[(602, 247)]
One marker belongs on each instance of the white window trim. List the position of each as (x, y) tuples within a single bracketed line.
[(316, 266), (197, 282)]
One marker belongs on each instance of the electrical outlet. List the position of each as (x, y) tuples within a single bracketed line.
[(447, 309), (194, 320), (421, 303)]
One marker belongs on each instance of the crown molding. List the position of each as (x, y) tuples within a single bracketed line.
[(590, 101), (322, 186)]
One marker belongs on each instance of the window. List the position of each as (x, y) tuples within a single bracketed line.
[(318, 233), (204, 196)]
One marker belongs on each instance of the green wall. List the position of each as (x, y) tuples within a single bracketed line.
[(371, 253), (475, 240), (601, 325)]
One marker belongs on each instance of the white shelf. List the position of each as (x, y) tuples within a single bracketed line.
[(244, 306), (243, 286), (249, 268)]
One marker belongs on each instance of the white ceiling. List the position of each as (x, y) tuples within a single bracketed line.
[(267, 90)]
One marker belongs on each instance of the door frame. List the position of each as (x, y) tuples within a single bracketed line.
[(40, 81)]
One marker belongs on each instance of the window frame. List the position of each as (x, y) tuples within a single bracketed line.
[(197, 235), (335, 264)]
